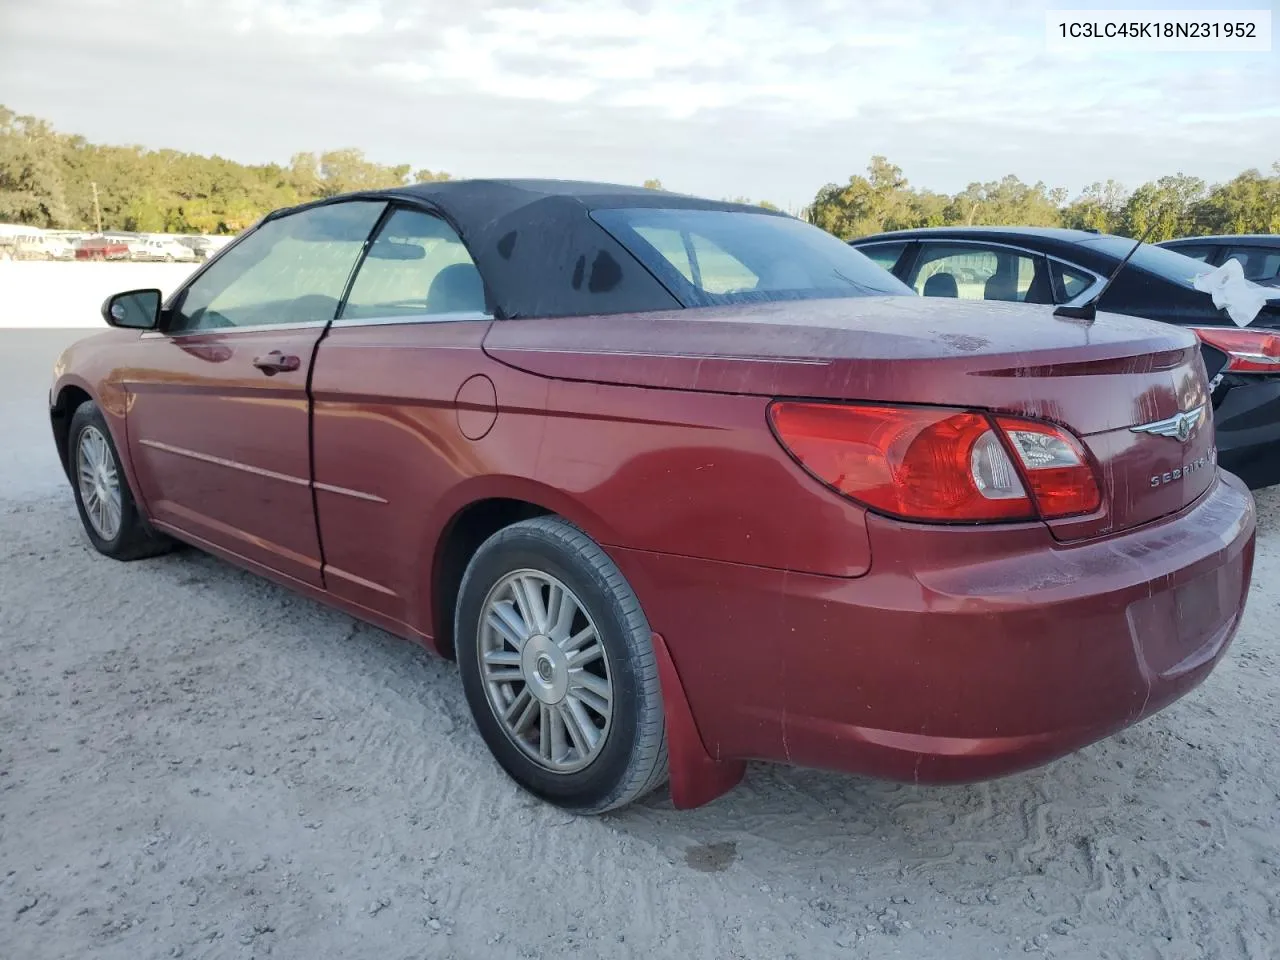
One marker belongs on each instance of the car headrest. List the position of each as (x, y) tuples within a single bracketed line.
[(941, 285), (456, 289)]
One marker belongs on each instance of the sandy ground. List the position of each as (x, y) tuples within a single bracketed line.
[(196, 763)]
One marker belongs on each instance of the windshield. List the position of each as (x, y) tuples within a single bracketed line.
[(713, 257), (1163, 262)]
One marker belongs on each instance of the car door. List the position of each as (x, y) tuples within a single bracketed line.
[(970, 270), (218, 410), (401, 403)]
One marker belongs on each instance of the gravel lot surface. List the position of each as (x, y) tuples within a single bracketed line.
[(196, 763)]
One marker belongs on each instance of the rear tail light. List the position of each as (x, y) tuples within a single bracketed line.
[(939, 464), (1248, 351)]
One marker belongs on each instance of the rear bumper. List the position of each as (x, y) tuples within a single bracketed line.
[(962, 654), (1247, 425)]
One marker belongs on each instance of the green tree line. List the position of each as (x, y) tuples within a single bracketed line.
[(1172, 206), (47, 179)]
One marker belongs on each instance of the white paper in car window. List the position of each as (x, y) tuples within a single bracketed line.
[(1241, 298)]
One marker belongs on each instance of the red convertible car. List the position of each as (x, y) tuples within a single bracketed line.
[(678, 483)]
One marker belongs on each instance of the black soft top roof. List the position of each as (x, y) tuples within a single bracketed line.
[(537, 248)]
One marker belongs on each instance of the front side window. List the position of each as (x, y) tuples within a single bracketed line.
[(713, 257), (417, 265), (291, 269), (973, 272)]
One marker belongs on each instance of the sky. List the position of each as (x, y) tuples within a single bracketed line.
[(768, 99)]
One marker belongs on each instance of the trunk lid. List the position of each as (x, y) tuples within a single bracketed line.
[(1100, 379)]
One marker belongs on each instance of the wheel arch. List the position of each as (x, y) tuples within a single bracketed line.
[(69, 398), (470, 515)]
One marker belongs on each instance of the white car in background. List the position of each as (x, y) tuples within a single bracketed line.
[(164, 249)]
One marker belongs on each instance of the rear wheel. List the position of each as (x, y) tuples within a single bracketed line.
[(107, 508), (558, 667)]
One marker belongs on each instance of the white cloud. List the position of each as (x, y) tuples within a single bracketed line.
[(756, 97)]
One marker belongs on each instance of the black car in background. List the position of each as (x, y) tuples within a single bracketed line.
[(1258, 253), (1057, 266)]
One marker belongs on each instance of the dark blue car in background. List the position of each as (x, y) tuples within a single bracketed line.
[(1058, 266)]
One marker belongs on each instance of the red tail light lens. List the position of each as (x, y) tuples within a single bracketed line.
[(1249, 351), (939, 464), (1055, 466)]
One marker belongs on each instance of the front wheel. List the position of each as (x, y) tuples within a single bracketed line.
[(558, 667), (107, 508)]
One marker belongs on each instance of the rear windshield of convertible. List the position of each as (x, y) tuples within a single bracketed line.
[(714, 257)]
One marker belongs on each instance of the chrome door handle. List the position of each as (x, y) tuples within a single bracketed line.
[(276, 362)]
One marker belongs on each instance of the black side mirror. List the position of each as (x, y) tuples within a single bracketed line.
[(133, 310)]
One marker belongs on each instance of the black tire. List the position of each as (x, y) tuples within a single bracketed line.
[(135, 539), (632, 761)]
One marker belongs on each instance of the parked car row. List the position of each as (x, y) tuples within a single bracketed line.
[(63, 245), (1051, 266), (682, 483)]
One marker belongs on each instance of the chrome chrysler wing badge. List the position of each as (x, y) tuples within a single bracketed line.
[(1179, 427)]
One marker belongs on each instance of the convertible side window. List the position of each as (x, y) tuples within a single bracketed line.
[(289, 270), (417, 265)]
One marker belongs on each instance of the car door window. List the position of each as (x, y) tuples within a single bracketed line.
[(973, 272), (1069, 282), (290, 270), (884, 255), (417, 265), (1195, 253), (1261, 264)]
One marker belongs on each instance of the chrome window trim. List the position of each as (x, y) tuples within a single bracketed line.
[(219, 331), (1081, 297), (457, 316)]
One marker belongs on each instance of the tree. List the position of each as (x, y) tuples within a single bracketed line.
[(652, 185), (31, 183)]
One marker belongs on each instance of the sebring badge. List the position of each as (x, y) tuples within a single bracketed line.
[(1180, 426)]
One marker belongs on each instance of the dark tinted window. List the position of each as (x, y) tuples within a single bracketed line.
[(1261, 264), (1161, 261), (709, 257), (1194, 252), (883, 254), (292, 269)]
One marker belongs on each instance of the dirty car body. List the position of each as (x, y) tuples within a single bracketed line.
[(804, 515)]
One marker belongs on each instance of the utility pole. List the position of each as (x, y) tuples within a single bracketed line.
[(97, 210)]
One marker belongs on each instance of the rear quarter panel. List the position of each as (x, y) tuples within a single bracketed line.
[(671, 472)]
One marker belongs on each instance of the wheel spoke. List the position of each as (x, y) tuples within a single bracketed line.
[(113, 514), (503, 620), (504, 675), (544, 732), (502, 657), (580, 658), (520, 713), (579, 639), (592, 691), (559, 741), (528, 596), (583, 732), (561, 610)]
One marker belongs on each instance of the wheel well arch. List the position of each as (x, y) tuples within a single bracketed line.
[(69, 399), (462, 536)]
